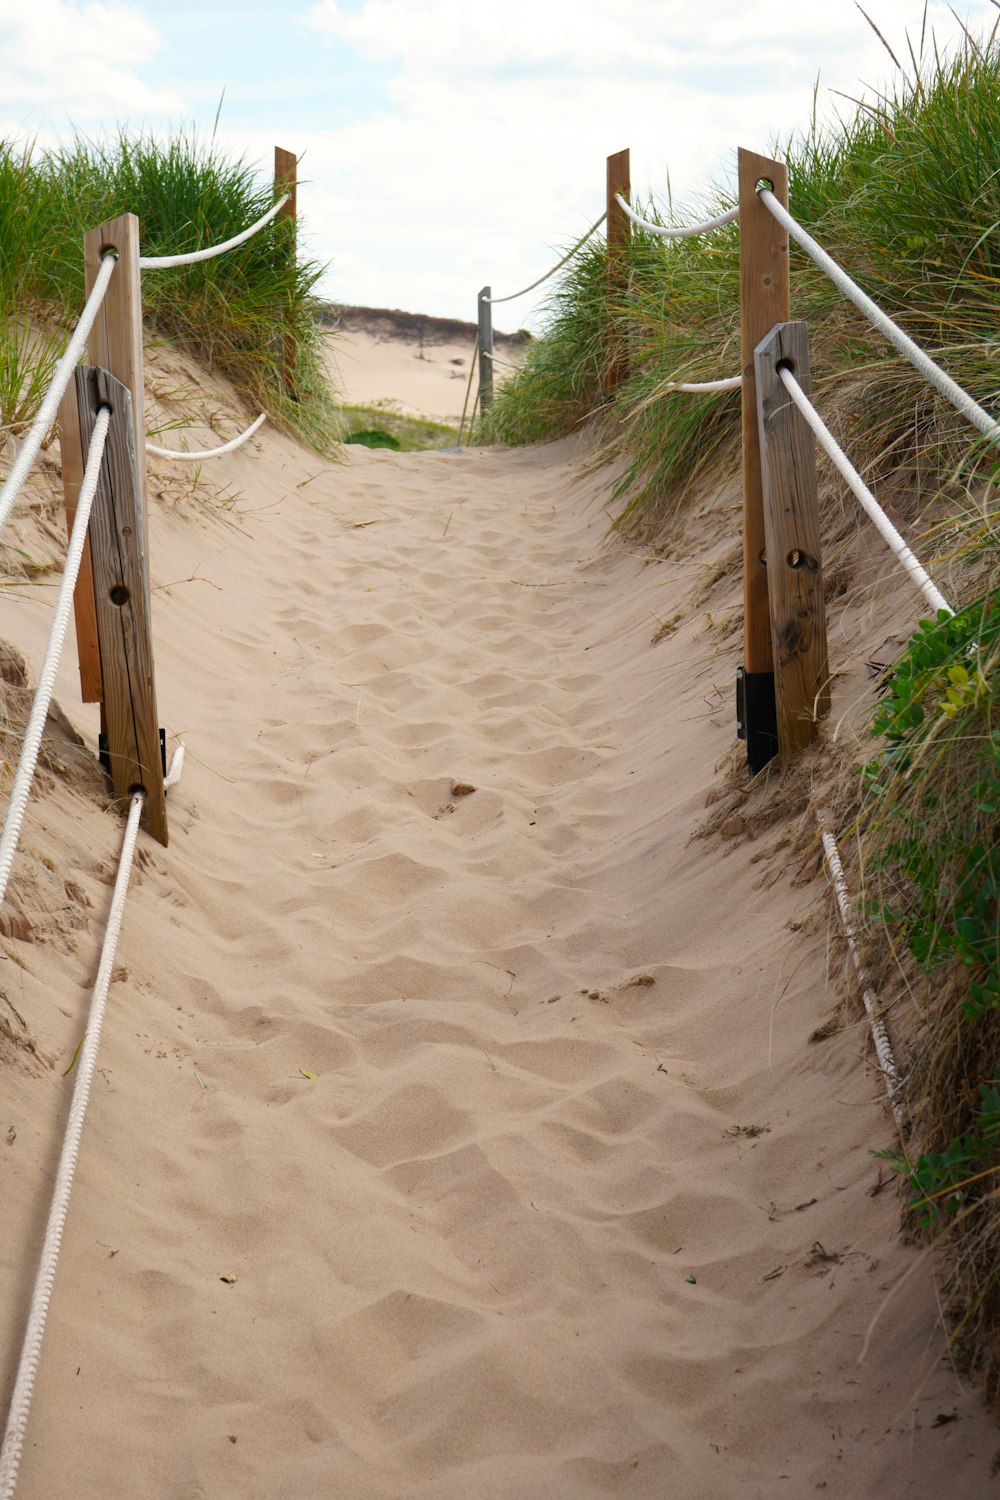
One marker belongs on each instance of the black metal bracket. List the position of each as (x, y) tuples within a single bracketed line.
[(104, 754), (756, 717)]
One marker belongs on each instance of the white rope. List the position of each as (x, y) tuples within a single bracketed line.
[(918, 574), (24, 1385), (883, 1049), (157, 262), (235, 442), (57, 389), (732, 384), (25, 773), (495, 358), (921, 361), (513, 296), (689, 231)]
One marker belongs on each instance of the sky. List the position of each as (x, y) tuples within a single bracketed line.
[(450, 144)]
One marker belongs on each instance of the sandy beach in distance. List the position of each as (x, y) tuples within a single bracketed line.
[(484, 1109)]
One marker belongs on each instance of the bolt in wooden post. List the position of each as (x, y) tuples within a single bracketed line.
[(485, 309), (286, 181), (121, 596), (619, 231), (792, 532), (764, 301)]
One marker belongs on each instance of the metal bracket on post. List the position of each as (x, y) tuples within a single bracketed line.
[(756, 717), (485, 309)]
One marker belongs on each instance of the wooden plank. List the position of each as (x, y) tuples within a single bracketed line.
[(485, 322), (121, 595), (619, 231), (84, 609), (115, 341), (286, 181), (764, 301), (792, 534)]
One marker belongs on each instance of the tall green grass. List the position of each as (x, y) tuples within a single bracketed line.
[(234, 311)]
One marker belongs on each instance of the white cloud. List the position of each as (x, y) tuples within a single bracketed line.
[(61, 59), (491, 150)]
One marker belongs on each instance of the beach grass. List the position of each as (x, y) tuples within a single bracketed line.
[(235, 312)]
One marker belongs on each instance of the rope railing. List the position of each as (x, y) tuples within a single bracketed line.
[(161, 262), (229, 447), (107, 407), (513, 296), (904, 556), (28, 761), (685, 232), (496, 359), (931, 371), (15, 1432), (61, 378), (731, 383)]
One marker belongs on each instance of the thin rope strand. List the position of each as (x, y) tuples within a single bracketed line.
[(235, 442), (906, 559), (495, 359), (733, 383), (57, 389), (158, 262), (25, 773), (932, 372), (883, 1049), (20, 1406), (688, 232), (513, 296)]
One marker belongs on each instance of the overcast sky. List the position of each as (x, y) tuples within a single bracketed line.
[(451, 143)]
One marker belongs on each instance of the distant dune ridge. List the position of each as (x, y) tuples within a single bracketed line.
[(419, 362)]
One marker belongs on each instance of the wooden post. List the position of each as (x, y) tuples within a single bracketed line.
[(121, 595), (764, 301), (619, 230), (485, 309), (84, 609), (792, 533), (286, 181)]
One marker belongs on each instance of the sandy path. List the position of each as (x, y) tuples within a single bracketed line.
[(503, 1244)]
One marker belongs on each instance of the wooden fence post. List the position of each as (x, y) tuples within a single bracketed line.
[(286, 181), (121, 596), (764, 301), (619, 230), (485, 308), (792, 532), (84, 609)]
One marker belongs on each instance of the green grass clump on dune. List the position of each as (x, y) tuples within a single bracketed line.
[(233, 311), (408, 434)]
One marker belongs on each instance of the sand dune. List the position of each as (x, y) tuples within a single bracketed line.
[(483, 1082)]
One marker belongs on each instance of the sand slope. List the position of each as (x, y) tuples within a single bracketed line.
[(434, 846)]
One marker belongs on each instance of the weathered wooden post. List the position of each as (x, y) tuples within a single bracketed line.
[(792, 532), (485, 311), (286, 181), (111, 601), (115, 343), (121, 595), (764, 301), (619, 230)]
